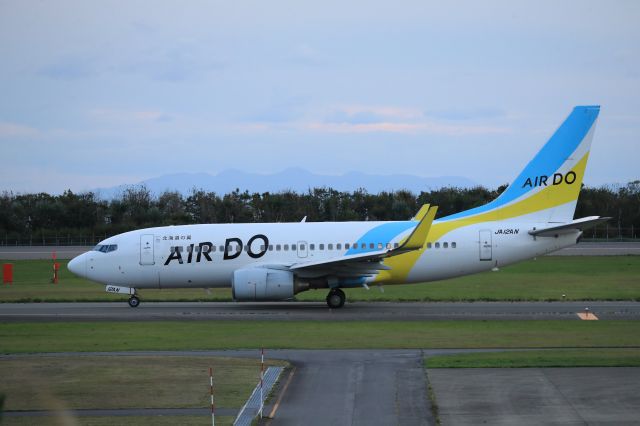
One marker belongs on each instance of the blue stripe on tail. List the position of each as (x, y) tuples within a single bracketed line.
[(548, 160)]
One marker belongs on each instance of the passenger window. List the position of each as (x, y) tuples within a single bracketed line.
[(445, 245), (270, 247), (379, 246), (371, 245), (213, 248), (312, 246), (396, 245), (346, 246), (278, 247), (329, 246), (293, 247), (286, 247), (453, 245), (428, 245), (301, 246), (262, 247), (363, 245), (338, 246), (321, 247), (437, 245)]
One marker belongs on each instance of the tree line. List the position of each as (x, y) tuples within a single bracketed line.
[(41, 217)]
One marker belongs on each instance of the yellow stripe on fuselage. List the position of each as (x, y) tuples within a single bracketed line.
[(549, 197)]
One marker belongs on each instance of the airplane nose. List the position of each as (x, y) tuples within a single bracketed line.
[(78, 265)]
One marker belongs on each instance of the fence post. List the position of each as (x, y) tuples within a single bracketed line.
[(261, 380), (213, 407)]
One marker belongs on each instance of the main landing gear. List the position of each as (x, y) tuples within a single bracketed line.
[(335, 298), (134, 301)]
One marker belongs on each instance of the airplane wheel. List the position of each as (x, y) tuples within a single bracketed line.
[(134, 301), (336, 298)]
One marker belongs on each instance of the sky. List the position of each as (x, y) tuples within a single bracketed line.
[(100, 93)]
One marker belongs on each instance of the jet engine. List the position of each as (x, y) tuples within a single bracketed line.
[(255, 284)]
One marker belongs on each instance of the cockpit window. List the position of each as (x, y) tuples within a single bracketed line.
[(106, 248)]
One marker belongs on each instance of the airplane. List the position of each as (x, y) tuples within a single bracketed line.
[(276, 261)]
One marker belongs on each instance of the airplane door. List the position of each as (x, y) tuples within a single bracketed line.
[(485, 245), (146, 250), (303, 250)]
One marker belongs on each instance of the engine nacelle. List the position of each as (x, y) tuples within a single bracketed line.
[(253, 284)]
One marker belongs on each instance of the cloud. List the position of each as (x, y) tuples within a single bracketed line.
[(358, 114), (369, 119), (481, 113), (13, 130), (69, 68), (182, 62), (281, 111), (133, 116), (289, 115), (406, 128), (304, 54), (364, 127)]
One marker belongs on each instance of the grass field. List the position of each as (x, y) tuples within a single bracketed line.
[(547, 278), (120, 420), (124, 336), (588, 357), (108, 382), (90, 382)]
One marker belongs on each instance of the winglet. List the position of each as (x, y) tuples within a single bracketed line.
[(421, 213), (419, 235)]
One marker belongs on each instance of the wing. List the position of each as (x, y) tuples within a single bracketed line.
[(576, 225), (368, 264)]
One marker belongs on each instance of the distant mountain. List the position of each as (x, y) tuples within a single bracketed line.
[(294, 179)]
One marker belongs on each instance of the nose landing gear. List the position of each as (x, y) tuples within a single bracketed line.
[(336, 298)]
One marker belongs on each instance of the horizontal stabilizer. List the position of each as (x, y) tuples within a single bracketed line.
[(576, 225)]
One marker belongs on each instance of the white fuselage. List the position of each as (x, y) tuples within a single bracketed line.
[(147, 258)]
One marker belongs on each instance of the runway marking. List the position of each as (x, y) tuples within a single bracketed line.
[(272, 414), (587, 316)]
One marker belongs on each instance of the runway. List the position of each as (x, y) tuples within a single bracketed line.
[(317, 311), (601, 249)]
